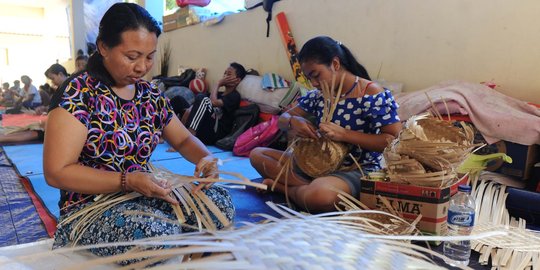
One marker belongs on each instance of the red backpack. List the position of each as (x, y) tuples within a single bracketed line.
[(260, 135)]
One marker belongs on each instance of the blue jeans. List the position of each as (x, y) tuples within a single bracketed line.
[(30, 104)]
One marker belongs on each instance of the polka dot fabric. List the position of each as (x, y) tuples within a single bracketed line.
[(122, 134), (365, 114)]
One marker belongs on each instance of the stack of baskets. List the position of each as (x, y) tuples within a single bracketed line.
[(428, 151)]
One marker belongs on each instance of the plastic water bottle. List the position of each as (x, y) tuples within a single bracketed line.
[(460, 222)]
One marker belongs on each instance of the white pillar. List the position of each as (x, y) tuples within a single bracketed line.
[(78, 28)]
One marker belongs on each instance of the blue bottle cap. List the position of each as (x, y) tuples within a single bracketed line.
[(464, 188)]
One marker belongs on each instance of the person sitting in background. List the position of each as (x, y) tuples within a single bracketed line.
[(5, 87), (80, 63), (45, 97), (57, 74), (31, 98), (47, 88), (7, 96), (211, 118), (365, 117), (16, 89)]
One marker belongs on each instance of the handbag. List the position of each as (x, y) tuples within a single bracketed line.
[(244, 118), (260, 135)]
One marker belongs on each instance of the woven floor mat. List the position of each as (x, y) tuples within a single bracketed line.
[(18, 216)]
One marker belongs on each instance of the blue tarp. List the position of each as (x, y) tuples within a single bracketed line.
[(28, 161)]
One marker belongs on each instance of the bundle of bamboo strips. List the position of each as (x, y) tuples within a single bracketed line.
[(321, 156), (386, 222), (519, 248), (427, 151), (13, 129), (191, 201), (332, 240)]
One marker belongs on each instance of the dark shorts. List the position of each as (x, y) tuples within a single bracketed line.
[(352, 178)]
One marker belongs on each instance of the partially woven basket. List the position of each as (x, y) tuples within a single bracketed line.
[(427, 151), (437, 144), (319, 157)]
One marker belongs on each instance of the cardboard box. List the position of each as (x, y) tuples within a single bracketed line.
[(172, 25), (185, 16), (411, 201)]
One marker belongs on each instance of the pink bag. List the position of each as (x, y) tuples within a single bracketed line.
[(200, 3), (260, 135)]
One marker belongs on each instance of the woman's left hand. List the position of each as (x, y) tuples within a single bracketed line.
[(206, 168), (333, 131)]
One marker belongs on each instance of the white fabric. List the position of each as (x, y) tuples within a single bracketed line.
[(495, 115), (250, 88)]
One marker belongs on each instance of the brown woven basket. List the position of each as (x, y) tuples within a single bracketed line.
[(319, 157)]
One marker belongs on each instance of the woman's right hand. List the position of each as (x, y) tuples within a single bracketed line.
[(303, 127), (147, 185)]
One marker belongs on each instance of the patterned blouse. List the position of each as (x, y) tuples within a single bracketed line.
[(366, 114), (122, 134)]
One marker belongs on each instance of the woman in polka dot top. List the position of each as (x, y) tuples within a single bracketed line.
[(365, 117)]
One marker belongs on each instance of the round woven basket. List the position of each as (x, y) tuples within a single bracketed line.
[(319, 157)]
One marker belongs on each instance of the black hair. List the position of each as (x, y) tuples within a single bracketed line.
[(119, 18), (251, 71), (26, 77), (240, 70), (81, 57), (45, 87), (90, 48), (56, 69), (6, 84), (323, 49)]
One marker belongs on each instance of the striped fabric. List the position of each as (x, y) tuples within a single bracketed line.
[(272, 81)]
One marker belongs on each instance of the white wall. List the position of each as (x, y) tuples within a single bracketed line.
[(32, 38), (417, 42)]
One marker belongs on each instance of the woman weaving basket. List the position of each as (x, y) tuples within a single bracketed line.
[(103, 126), (363, 121)]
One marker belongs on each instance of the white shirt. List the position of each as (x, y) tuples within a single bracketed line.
[(33, 90)]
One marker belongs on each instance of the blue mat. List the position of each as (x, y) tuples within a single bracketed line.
[(49, 195), (160, 153), (230, 164), (28, 160)]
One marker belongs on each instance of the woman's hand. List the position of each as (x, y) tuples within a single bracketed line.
[(206, 168), (147, 185), (302, 127), (333, 131)]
